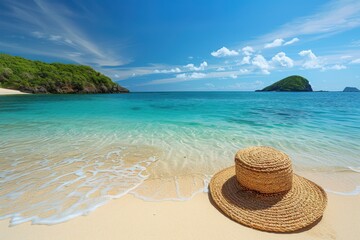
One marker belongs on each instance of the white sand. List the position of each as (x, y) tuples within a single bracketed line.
[(131, 218), (4, 91)]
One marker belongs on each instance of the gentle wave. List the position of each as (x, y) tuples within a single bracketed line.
[(54, 189), (355, 192), (62, 157)]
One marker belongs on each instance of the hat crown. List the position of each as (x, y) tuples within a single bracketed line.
[(264, 169)]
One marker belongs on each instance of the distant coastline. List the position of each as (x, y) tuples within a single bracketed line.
[(39, 77)]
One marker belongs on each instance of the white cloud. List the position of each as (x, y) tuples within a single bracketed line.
[(182, 75), (311, 60), (280, 42), (247, 51), (282, 60), (127, 72), (337, 67), (276, 43), (55, 38), (203, 64), (244, 71), (194, 75), (233, 76), (192, 67), (197, 75), (51, 37), (58, 25), (355, 61), (38, 34), (260, 62), (245, 60), (210, 85), (224, 52), (294, 40), (68, 41), (173, 70), (345, 57), (220, 69), (333, 17)]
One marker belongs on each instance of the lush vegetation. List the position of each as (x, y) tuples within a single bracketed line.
[(39, 77), (290, 84)]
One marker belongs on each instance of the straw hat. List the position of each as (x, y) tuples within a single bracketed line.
[(262, 192)]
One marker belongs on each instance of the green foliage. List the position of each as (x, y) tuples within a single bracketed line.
[(39, 77), (290, 84)]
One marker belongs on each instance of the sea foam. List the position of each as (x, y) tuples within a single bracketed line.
[(58, 189)]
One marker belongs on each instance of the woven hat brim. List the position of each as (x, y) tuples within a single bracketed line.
[(301, 206)]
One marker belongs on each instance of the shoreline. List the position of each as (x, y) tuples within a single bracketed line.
[(133, 218), (4, 91)]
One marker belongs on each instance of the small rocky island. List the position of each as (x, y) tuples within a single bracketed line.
[(290, 84), (351, 89), (38, 77)]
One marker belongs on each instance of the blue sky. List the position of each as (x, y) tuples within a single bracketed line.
[(192, 45)]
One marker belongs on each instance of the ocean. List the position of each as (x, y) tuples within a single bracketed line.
[(62, 156)]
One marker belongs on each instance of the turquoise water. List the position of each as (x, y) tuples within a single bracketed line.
[(62, 156)]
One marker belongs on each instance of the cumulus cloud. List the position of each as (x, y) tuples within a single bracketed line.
[(224, 52), (311, 60), (245, 60), (294, 40), (260, 62), (192, 67), (276, 43), (283, 60), (247, 51)]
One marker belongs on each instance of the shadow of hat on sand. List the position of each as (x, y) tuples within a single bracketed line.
[(261, 191)]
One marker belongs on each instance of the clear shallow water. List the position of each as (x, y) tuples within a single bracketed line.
[(62, 156)]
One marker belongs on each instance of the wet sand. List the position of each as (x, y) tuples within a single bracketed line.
[(132, 218)]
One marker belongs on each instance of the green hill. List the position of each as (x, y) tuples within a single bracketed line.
[(39, 77), (351, 89), (289, 84)]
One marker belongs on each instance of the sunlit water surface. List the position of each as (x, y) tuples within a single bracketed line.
[(62, 156)]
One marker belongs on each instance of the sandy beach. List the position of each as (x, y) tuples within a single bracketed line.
[(132, 218), (4, 91)]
